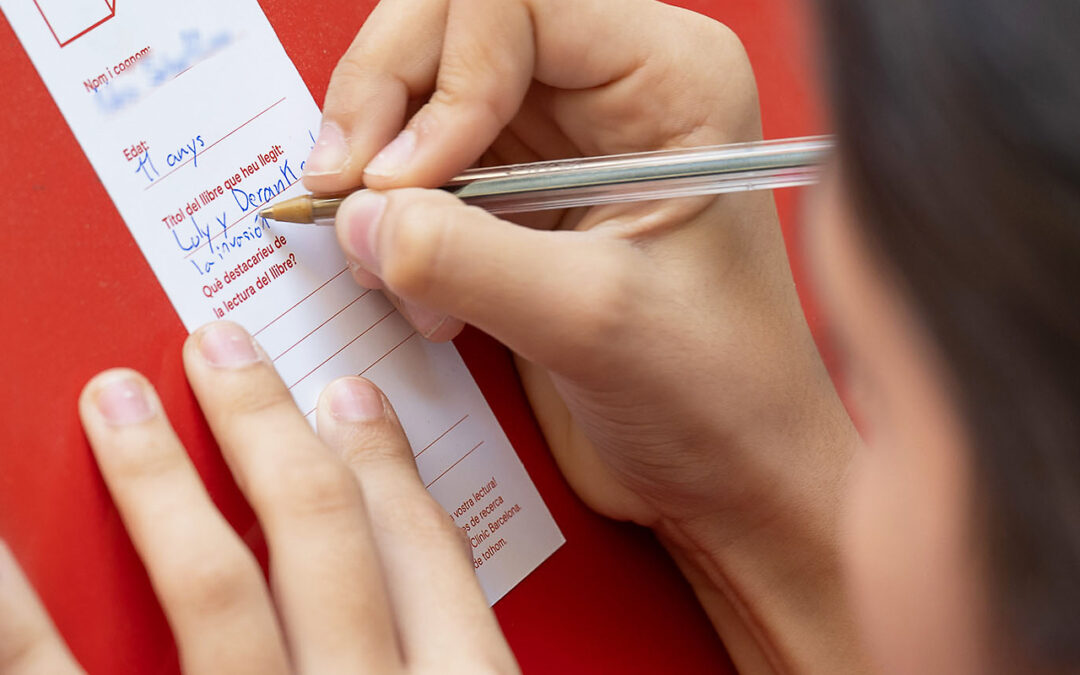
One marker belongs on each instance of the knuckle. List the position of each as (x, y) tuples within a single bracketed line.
[(465, 542), (152, 457), (726, 47), (415, 248), (704, 35), (210, 583), (377, 449), (255, 397), (718, 34), (727, 41), (417, 516), (309, 488), (355, 80), (351, 67), (709, 31), (491, 108), (475, 82), (604, 304)]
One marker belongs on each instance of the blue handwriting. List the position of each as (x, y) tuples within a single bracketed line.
[(249, 200), (192, 148)]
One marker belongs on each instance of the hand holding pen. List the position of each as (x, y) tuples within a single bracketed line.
[(591, 181), (654, 339)]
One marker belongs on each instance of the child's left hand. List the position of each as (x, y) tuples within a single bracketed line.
[(367, 572)]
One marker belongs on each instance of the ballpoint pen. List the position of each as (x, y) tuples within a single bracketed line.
[(609, 179)]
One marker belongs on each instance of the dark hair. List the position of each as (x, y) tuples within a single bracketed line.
[(959, 138)]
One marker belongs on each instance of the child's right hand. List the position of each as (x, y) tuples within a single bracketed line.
[(662, 343)]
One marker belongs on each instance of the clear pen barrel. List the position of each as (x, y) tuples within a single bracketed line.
[(645, 176)]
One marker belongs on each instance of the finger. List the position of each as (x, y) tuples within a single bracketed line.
[(524, 287), (29, 643), (394, 58), (324, 572), (364, 278), (434, 326), (445, 622), (623, 83), (479, 57), (485, 69), (208, 582), (493, 51)]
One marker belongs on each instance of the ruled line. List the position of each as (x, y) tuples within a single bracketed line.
[(332, 317), (300, 301), (207, 148), (327, 359), (390, 351), (254, 211), (454, 464), (452, 427)]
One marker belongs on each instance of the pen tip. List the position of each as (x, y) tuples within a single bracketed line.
[(267, 213)]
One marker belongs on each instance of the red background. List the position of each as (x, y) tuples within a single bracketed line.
[(79, 297)]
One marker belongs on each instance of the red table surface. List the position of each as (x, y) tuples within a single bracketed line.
[(79, 297)]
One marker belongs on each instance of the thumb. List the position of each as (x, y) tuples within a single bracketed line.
[(549, 296)]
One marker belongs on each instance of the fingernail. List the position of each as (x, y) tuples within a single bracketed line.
[(123, 401), (330, 152), (227, 345), (392, 159), (425, 321), (355, 400), (364, 278), (361, 213)]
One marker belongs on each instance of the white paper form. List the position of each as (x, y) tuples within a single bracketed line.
[(194, 117)]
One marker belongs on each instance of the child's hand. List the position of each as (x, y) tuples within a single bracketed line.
[(368, 574)]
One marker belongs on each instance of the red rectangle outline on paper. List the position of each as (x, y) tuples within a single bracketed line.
[(112, 13)]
